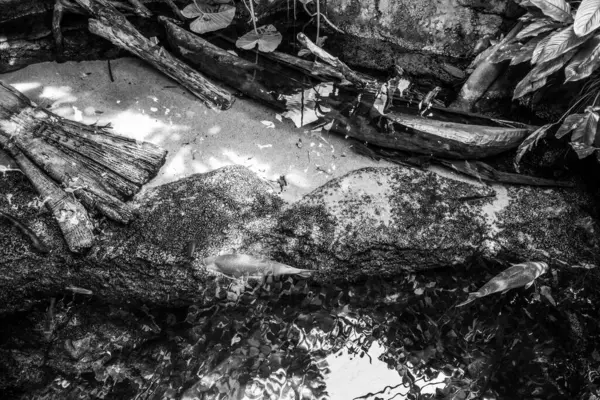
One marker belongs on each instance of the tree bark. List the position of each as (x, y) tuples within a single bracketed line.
[(113, 26)]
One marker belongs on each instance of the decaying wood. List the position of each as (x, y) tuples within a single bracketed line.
[(484, 75), (445, 134), (250, 78), (175, 9), (482, 171), (356, 78), (71, 216), (100, 169), (113, 26)]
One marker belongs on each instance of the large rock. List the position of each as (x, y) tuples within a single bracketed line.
[(449, 27), (388, 220), (383, 221)]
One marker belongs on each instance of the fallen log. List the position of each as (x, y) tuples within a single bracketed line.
[(113, 26), (443, 132), (98, 168)]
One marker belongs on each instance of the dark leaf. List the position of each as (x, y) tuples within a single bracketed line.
[(506, 52), (587, 18), (585, 62), (528, 85), (543, 70), (582, 150), (537, 52), (570, 123), (560, 43), (585, 132), (537, 27), (558, 10), (526, 51), (530, 142)]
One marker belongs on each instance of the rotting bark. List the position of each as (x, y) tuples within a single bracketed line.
[(113, 26), (484, 75), (445, 134), (98, 168)]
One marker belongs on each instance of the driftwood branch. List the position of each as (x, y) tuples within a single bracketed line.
[(351, 75), (72, 218), (113, 26), (93, 167), (484, 75)]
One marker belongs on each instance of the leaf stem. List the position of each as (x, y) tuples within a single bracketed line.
[(253, 16)]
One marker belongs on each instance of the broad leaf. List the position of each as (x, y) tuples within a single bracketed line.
[(585, 62), (587, 18), (267, 39), (527, 85), (537, 52), (506, 52), (209, 18), (570, 123), (530, 142), (524, 3), (560, 43), (558, 10), (526, 51), (585, 132), (545, 69), (582, 150), (482, 56), (537, 27)]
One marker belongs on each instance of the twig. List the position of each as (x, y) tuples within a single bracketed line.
[(35, 241), (110, 74), (175, 9), (318, 14), (335, 62)]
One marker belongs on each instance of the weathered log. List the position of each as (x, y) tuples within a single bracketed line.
[(484, 75), (113, 26), (356, 78), (71, 216), (99, 168), (445, 134), (254, 80)]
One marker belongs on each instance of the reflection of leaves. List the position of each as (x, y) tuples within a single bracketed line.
[(266, 37)]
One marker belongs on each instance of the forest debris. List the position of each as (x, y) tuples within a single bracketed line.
[(113, 26), (37, 244)]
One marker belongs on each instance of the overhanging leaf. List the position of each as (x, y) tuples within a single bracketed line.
[(545, 69), (506, 52), (526, 51), (536, 28), (537, 52), (587, 18), (582, 150), (209, 18), (586, 131), (585, 62), (530, 142), (528, 85), (570, 123), (267, 38), (558, 10), (560, 43)]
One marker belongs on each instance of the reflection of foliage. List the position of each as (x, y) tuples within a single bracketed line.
[(271, 340)]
